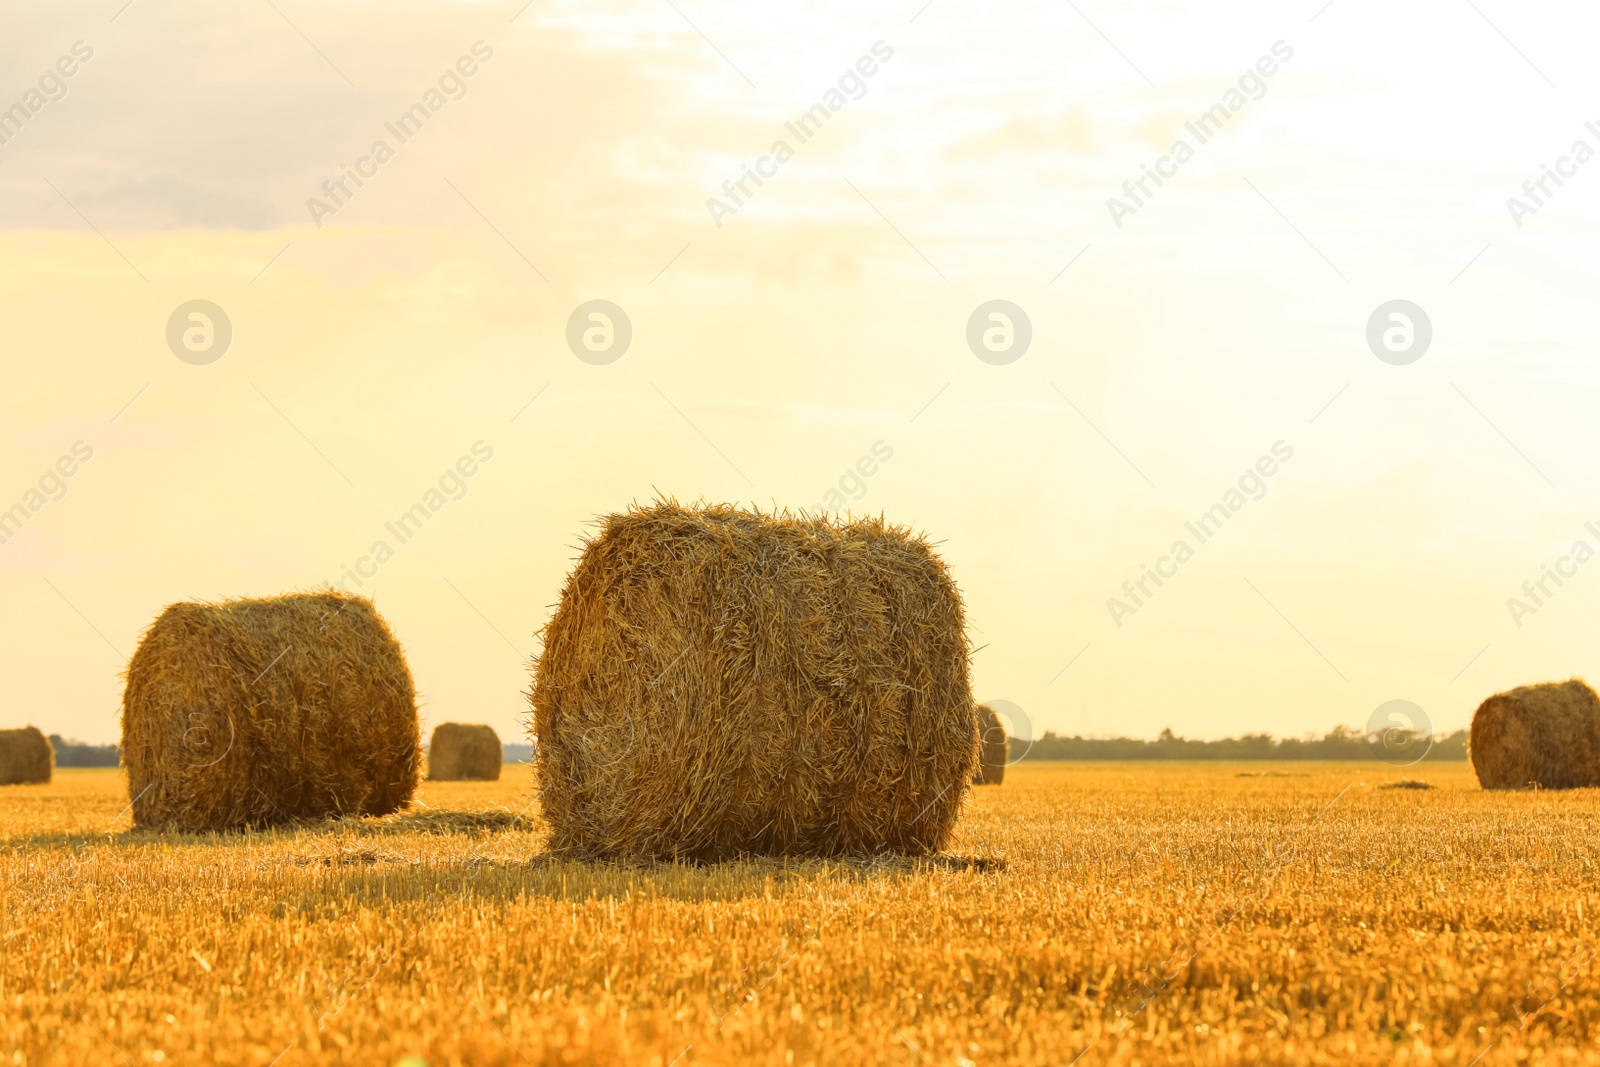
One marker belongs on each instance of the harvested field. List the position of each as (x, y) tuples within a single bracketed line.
[(1328, 920)]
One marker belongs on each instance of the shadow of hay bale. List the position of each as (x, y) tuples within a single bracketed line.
[(432, 822), (471, 824), (911, 865), (354, 877), (436, 821), (64, 841), (344, 857)]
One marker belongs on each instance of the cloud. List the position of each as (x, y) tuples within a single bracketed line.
[(165, 201)]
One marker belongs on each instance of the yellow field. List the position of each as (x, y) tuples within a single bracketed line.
[(1124, 913)]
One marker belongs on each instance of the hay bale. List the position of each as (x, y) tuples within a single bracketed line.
[(996, 748), (1538, 736), (26, 758), (717, 682), (259, 712), (460, 753)]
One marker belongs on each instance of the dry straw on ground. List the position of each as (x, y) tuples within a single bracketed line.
[(26, 757), (717, 681), (460, 753), (996, 750), (255, 712), (1538, 736)]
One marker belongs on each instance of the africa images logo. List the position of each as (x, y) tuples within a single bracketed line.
[(808, 125), (1252, 485), (1210, 123), (452, 85)]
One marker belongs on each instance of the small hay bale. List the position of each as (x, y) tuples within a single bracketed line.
[(1407, 783), (996, 750), (1538, 736), (718, 682), (460, 753), (263, 712), (26, 757)]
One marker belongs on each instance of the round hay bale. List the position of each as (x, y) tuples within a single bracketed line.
[(718, 682), (1538, 736), (995, 752), (260, 712), (26, 757), (460, 753)]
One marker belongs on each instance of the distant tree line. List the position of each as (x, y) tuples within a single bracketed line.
[(1344, 743), (78, 754)]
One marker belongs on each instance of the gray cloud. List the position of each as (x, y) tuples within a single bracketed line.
[(165, 201)]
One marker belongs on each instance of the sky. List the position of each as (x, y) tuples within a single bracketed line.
[(1198, 346)]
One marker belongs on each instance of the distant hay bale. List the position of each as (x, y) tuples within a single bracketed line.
[(717, 681), (259, 712), (1538, 736), (460, 753), (996, 748), (26, 757)]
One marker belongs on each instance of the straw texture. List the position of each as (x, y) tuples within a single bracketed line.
[(718, 681), (1538, 736), (461, 753), (257, 712), (996, 748), (26, 757)]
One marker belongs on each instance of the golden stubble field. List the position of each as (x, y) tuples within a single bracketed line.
[(1103, 914)]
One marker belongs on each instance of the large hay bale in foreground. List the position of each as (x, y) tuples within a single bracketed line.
[(256, 712), (717, 681), (995, 748), (461, 753), (1538, 736), (26, 757)]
